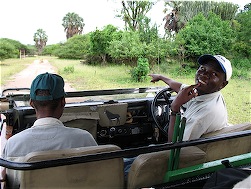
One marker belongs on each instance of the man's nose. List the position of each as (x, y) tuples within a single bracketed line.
[(205, 74)]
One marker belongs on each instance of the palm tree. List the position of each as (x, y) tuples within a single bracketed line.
[(73, 24), (40, 39)]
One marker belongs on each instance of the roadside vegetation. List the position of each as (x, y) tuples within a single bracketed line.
[(88, 77), (113, 58)]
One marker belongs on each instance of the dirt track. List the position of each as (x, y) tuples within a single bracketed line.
[(24, 78)]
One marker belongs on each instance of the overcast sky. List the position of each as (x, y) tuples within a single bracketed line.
[(20, 19)]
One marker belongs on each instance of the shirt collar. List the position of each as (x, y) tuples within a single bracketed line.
[(207, 96), (47, 121)]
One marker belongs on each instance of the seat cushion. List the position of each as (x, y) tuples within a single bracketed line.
[(149, 169)]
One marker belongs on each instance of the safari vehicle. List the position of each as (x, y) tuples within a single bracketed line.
[(125, 123)]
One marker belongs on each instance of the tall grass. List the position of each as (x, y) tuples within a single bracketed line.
[(237, 93)]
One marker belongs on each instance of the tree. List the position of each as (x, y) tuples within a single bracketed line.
[(73, 24), (77, 47), (225, 10), (146, 32), (242, 46), (244, 19), (183, 11), (205, 35), (7, 50), (247, 7), (100, 41), (40, 39), (134, 11), (127, 47)]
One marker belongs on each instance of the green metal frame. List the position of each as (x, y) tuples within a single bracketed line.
[(173, 173), (178, 132), (205, 168)]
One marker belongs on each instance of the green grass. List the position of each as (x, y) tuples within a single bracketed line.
[(87, 77), (237, 93), (10, 67)]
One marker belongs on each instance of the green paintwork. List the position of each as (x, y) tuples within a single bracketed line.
[(174, 139), (205, 168), (173, 173)]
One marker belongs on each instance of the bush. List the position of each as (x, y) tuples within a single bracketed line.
[(140, 72), (128, 46), (242, 49), (76, 47), (100, 41), (50, 49), (241, 68), (203, 35), (69, 69), (7, 51), (10, 48)]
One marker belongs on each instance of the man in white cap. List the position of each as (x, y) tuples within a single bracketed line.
[(205, 109)]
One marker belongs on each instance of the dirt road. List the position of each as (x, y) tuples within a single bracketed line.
[(24, 78)]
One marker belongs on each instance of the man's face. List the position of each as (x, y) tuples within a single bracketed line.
[(210, 77)]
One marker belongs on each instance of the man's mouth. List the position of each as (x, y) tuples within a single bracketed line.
[(202, 82)]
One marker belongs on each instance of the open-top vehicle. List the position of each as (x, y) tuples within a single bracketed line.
[(125, 123)]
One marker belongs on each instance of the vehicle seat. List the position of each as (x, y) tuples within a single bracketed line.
[(227, 148), (149, 169), (94, 175)]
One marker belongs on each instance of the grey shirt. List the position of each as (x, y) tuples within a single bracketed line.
[(46, 134), (205, 113)]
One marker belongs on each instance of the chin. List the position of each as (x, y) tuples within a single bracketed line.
[(201, 91)]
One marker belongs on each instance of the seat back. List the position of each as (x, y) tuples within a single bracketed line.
[(227, 148), (95, 175), (149, 169)]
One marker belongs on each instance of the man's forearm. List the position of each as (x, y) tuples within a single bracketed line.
[(172, 83)]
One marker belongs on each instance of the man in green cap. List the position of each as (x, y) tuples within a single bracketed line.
[(47, 97)]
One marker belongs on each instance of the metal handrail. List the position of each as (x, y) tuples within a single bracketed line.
[(119, 153), (96, 92)]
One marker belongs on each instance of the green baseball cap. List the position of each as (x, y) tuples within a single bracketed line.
[(47, 81)]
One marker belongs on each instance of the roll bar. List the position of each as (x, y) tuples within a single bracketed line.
[(119, 153)]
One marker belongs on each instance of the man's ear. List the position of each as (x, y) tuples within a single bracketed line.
[(31, 103), (63, 102)]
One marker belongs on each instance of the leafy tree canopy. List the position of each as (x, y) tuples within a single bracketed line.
[(205, 35), (133, 12), (77, 47), (10, 48)]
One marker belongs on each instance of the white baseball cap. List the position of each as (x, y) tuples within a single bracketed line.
[(223, 62)]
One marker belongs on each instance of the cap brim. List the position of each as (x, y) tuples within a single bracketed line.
[(202, 60)]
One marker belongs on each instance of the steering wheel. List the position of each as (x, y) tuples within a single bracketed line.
[(160, 109)]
